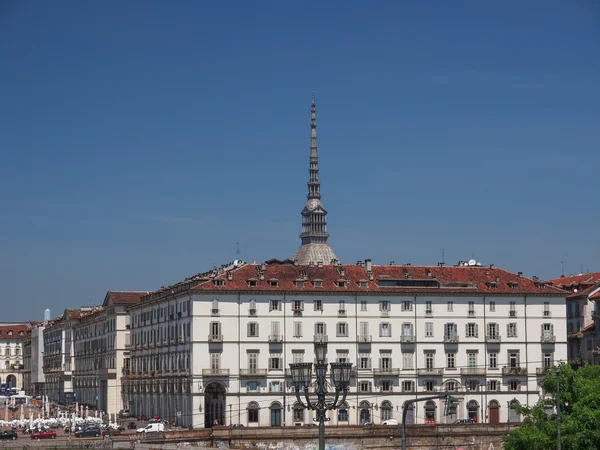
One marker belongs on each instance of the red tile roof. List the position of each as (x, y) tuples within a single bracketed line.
[(407, 279), (576, 281), (124, 297), (16, 329)]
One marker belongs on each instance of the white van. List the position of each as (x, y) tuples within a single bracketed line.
[(63, 414), (152, 428)]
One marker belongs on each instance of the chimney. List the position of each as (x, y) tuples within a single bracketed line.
[(368, 265), (491, 266), (520, 274), (392, 263), (295, 262), (229, 276)]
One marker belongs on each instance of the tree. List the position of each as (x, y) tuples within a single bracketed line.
[(579, 408)]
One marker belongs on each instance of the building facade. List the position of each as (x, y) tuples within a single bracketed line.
[(100, 351), (12, 338)]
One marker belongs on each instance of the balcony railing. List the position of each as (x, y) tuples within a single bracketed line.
[(363, 338), (472, 371), (547, 338), (430, 372), (215, 372), (275, 338), (253, 372), (451, 338), (215, 338), (514, 370), (379, 371), (541, 371), (407, 338), (493, 339), (320, 338)]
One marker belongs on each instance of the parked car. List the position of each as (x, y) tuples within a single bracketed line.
[(89, 431), (237, 425), (48, 434), (8, 435), (124, 414), (310, 425), (465, 421), (152, 428), (390, 422)]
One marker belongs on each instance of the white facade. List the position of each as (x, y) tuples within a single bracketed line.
[(33, 373), (490, 350), (12, 337)]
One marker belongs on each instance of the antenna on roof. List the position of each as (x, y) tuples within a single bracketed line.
[(237, 250)]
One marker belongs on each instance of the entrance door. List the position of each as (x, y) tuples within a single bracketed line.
[(275, 417), (410, 415), (214, 405), (494, 415)]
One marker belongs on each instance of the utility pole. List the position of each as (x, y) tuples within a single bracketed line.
[(230, 415), (558, 406)]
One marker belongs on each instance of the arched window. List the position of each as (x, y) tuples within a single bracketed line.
[(253, 410), (252, 308), (386, 410), (410, 415), (215, 306), (513, 413), (343, 412), (430, 412), (473, 411), (275, 414), (365, 412)]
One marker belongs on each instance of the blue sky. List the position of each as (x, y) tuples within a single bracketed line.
[(141, 140)]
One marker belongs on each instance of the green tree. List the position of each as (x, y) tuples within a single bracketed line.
[(580, 413)]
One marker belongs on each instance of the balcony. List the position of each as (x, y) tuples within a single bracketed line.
[(379, 372), (493, 339), (430, 372), (297, 312), (215, 338), (341, 313), (407, 338), (576, 335), (253, 372), (215, 372), (472, 371), (541, 371), (275, 338), (385, 313), (450, 339), (364, 339), (514, 370), (320, 338), (547, 338)]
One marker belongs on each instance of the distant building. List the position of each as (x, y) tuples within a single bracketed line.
[(581, 311), (33, 351), (12, 337)]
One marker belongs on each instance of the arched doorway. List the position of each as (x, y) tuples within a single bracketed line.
[(494, 412), (513, 413), (430, 412), (275, 414), (473, 411), (214, 405), (11, 382), (365, 413), (387, 411)]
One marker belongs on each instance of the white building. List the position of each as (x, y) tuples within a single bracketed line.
[(217, 347), (12, 337), (101, 349), (33, 351)]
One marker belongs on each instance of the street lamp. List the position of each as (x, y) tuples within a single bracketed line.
[(302, 379)]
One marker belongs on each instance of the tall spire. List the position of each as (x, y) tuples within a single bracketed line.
[(314, 234)]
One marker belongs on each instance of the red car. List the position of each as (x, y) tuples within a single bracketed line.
[(50, 434)]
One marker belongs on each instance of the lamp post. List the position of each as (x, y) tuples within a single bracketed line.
[(302, 379)]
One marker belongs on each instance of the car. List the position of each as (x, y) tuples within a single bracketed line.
[(464, 421), (124, 414), (237, 425), (390, 422), (310, 425), (8, 435), (48, 434), (89, 431)]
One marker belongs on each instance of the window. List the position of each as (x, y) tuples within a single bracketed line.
[(343, 413), (407, 386), (428, 329), (493, 385), (364, 361), (252, 329), (493, 357), (252, 307), (473, 385), (342, 356), (407, 360), (215, 330), (297, 305), (297, 356), (547, 330), (386, 386), (472, 330), (429, 385), (511, 330), (513, 385), (546, 309), (253, 360), (298, 413), (471, 308), (275, 334), (385, 361), (406, 305), (342, 329), (363, 305), (342, 306), (385, 329), (450, 386), (365, 386), (364, 332), (274, 305), (428, 308), (318, 305), (513, 306), (450, 306), (493, 330), (451, 360), (472, 359), (492, 306), (450, 331), (299, 283), (297, 329), (429, 360), (320, 331), (252, 283), (548, 359), (384, 306), (318, 283), (275, 362), (215, 306), (387, 411), (215, 361), (407, 330), (513, 358), (273, 282)]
